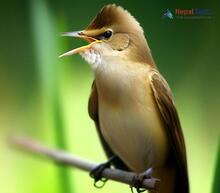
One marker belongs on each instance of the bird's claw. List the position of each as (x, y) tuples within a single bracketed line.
[(138, 180), (96, 173)]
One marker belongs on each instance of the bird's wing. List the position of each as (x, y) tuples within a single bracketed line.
[(93, 104), (94, 115), (93, 108), (164, 100)]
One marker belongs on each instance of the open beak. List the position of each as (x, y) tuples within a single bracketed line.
[(79, 34)]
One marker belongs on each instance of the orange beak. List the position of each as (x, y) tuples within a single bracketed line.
[(79, 34)]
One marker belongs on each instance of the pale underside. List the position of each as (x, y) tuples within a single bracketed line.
[(129, 119)]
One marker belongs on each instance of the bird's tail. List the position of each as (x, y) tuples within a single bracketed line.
[(167, 178), (171, 181)]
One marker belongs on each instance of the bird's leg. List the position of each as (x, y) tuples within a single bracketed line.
[(96, 173), (139, 178)]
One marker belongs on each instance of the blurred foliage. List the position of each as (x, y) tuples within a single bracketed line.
[(44, 27), (216, 185), (46, 98)]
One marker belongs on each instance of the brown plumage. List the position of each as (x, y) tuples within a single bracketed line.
[(111, 13), (131, 103), (166, 106), (164, 100), (116, 17)]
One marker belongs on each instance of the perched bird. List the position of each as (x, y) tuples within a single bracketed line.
[(130, 102)]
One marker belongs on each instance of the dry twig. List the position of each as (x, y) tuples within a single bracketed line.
[(68, 159)]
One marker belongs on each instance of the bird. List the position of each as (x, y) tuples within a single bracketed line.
[(131, 103)]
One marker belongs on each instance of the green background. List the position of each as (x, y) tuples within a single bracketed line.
[(45, 98)]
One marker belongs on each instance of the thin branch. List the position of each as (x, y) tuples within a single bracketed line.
[(68, 159)]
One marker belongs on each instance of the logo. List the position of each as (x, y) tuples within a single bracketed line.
[(168, 14), (193, 13)]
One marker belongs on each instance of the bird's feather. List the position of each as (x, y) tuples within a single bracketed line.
[(94, 115), (111, 14), (164, 100)]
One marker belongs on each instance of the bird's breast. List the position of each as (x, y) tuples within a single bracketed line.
[(129, 119)]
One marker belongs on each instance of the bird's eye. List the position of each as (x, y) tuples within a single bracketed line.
[(107, 34), (104, 36)]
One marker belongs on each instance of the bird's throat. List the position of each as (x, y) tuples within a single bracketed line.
[(92, 57)]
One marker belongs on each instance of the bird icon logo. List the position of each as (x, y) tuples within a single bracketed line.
[(168, 14)]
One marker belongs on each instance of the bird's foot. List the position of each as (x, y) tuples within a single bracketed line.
[(138, 180), (96, 173)]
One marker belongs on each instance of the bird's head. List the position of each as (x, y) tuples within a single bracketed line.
[(114, 32)]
